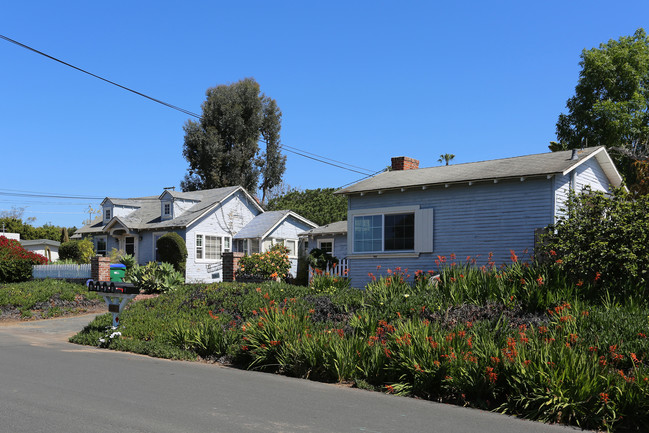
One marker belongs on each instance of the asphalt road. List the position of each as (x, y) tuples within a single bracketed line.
[(50, 385)]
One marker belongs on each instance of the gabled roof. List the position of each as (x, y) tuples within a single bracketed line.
[(36, 242), (263, 224), (338, 227), (146, 215), (541, 164)]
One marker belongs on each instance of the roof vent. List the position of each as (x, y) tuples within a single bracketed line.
[(575, 155)]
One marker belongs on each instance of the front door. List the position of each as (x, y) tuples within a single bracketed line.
[(130, 246)]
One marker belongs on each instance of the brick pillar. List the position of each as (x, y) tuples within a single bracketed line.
[(100, 268), (230, 265)]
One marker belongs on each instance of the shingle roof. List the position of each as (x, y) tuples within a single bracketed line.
[(261, 224), (147, 215), (521, 166), (339, 227)]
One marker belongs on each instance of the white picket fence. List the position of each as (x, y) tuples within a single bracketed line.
[(60, 271), (338, 270)]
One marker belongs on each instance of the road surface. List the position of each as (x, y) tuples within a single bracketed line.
[(50, 385)]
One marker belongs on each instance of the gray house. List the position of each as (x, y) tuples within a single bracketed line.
[(331, 238), (409, 216), (207, 220)]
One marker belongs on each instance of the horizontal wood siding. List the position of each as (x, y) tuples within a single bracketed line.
[(340, 244), (289, 229), (589, 173), (226, 220), (468, 221)]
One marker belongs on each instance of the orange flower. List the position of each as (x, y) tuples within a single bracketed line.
[(604, 397)]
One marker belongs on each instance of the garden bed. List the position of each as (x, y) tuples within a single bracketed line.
[(520, 340), (44, 299)]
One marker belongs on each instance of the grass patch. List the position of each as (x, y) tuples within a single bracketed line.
[(45, 298)]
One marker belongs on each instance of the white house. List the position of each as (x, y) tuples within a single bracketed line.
[(44, 247), (207, 220), (409, 216)]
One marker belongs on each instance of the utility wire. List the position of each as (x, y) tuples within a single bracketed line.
[(295, 150), (363, 178), (101, 78)]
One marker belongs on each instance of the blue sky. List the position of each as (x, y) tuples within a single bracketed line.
[(357, 81)]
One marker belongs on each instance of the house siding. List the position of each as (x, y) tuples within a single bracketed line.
[(468, 221), (340, 244), (589, 173), (289, 229), (234, 213)]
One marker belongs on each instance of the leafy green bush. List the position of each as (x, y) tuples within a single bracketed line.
[(271, 265), (172, 249), (602, 239), (154, 278), (79, 250), (330, 284), (16, 262), (319, 259)]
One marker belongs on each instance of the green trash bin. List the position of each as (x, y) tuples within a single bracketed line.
[(117, 272)]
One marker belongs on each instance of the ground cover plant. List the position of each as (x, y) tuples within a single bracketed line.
[(45, 299), (519, 339)]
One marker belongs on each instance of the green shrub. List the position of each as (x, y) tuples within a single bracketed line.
[(154, 278), (79, 250), (319, 259), (602, 239), (16, 262), (172, 249)]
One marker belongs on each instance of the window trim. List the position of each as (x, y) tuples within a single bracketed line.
[(166, 205), (424, 229), (323, 240), (107, 213), (203, 247)]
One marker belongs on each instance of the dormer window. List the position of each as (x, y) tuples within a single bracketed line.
[(106, 214), (166, 209)]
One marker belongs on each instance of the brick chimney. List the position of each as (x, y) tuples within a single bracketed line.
[(404, 163)]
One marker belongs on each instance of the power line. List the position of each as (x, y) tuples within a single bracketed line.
[(363, 178), (295, 150), (182, 110), (39, 195), (285, 146)]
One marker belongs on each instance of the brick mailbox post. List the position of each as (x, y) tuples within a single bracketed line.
[(100, 268), (116, 294), (230, 265)]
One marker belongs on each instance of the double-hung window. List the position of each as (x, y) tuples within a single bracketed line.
[(209, 247)]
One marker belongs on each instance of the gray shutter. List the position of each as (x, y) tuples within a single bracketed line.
[(424, 231)]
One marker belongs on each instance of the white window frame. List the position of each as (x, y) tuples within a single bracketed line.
[(295, 247), (324, 241), (107, 214), (166, 205), (221, 239), (424, 225)]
